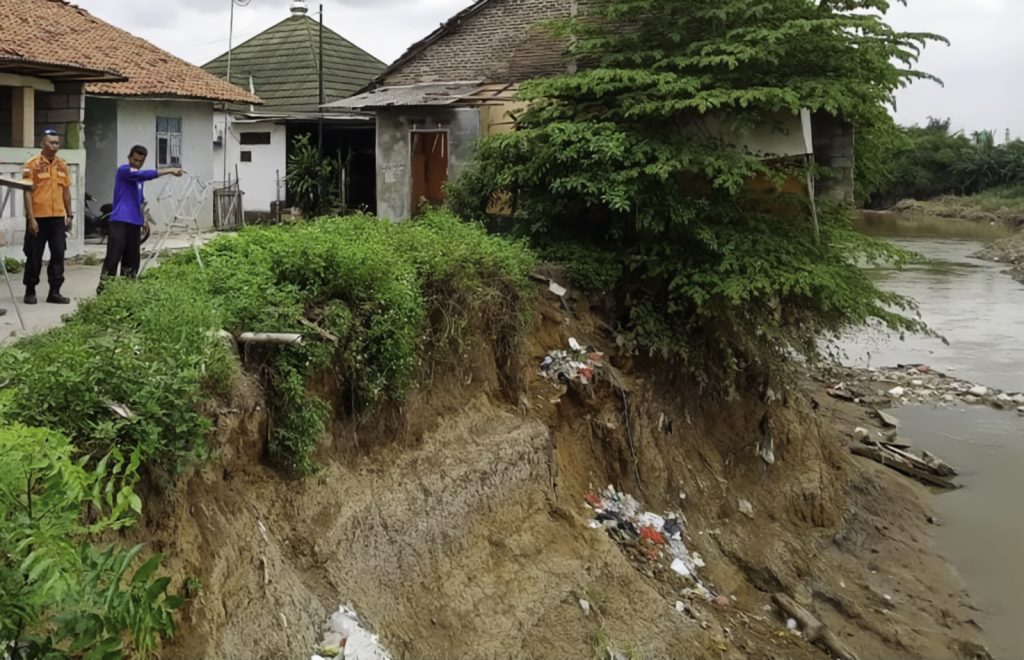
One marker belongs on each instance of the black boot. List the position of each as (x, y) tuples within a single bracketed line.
[(30, 296), (56, 298)]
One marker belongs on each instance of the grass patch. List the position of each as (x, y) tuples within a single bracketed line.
[(133, 367), (1005, 204)]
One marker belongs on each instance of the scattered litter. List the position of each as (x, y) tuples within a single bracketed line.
[(585, 606), (121, 410), (791, 624), (681, 607), (860, 434), (345, 637), (679, 566), (576, 365), (887, 419), (913, 383), (557, 289), (840, 392), (649, 536), (746, 508)]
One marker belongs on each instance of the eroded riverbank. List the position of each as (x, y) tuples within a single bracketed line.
[(980, 311)]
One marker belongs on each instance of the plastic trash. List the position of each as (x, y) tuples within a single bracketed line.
[(680, 567)]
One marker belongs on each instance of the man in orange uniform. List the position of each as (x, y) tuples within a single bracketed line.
[(48, 214)]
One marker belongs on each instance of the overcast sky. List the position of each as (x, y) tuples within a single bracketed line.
[(981, 70)]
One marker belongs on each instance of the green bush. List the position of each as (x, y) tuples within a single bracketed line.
[(591, 269)]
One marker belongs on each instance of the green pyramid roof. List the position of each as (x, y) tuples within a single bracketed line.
[(284, 60)]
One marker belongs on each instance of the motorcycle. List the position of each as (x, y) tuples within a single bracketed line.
[(98, 224)]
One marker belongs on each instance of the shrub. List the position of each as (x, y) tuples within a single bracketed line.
[(133, 367)]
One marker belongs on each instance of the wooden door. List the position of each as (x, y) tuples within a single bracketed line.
[(429, 168)]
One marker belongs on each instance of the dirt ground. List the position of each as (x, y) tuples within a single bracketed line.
[(455, 525)]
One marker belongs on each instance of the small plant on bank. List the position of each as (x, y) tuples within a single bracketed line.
[(13, 265), (61, 595)]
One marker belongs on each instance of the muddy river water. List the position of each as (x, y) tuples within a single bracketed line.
[(979, 309)]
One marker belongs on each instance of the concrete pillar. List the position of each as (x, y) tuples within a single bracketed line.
[(23, 117)]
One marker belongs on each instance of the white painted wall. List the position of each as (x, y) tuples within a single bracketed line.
[(259, 178), (12, 206), (136, 124)]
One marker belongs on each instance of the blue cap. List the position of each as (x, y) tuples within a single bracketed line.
[(50, 131)]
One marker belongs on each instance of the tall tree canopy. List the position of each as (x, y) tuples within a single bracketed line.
[(606, 161)]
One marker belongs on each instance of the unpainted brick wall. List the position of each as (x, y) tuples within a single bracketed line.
[(64, 111), (505, 41)]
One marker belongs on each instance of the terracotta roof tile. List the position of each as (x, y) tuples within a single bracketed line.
[(59, 33)]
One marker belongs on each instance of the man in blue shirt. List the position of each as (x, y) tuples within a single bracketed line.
[(124, 239)]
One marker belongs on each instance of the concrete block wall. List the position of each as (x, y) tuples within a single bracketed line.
[(64, 111), (394, 183), (834, 148), (502, 42)]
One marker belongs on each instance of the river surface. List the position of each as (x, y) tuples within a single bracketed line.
[(979, 309)]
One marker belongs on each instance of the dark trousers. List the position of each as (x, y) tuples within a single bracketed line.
[(124, 245), (51, 233)]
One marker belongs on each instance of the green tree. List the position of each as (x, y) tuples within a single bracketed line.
[(608, 157)]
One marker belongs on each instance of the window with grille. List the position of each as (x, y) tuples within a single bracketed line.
[(168, 141)]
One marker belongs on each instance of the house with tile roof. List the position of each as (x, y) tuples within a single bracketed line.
[(103, 89), (458, 84), (282, 66)]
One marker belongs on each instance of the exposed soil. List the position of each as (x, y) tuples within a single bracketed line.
[(455, 525)]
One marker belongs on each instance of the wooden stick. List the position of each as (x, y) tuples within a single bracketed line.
[(815, 631), (894, 462), (270, 338), (936, 467)]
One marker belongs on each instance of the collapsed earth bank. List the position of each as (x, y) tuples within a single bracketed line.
[(455, 523)]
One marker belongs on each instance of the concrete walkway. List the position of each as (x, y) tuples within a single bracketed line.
[(79, 284)]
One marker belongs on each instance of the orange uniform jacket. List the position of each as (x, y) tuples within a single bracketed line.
[(50, 179)]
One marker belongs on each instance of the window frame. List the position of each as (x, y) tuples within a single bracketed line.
[(169, 141)]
